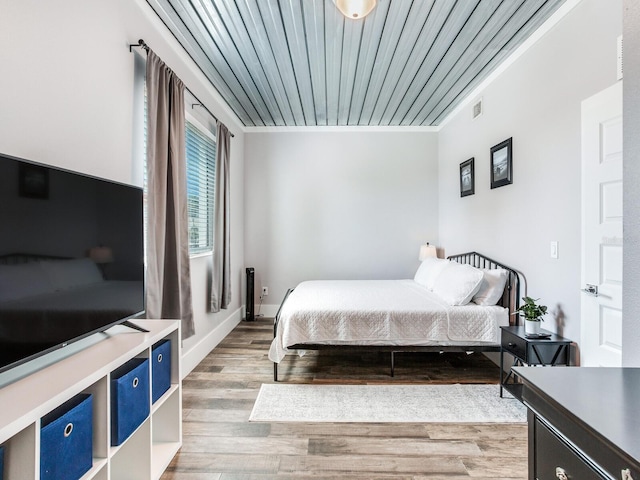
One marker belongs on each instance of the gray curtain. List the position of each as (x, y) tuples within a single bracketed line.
[(220, 278), (168, 274)]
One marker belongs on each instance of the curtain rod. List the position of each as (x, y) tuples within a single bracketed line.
[(141, 44)]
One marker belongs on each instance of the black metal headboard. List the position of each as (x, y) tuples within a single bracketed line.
[(511, 296)]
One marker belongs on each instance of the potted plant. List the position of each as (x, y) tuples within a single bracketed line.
[(532, 313)]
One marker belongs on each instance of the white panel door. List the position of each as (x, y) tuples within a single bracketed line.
[(601, 327)]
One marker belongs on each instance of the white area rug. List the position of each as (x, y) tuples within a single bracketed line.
[(386, 403)]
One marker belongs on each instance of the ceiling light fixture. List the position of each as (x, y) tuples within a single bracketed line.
[(355, 8)]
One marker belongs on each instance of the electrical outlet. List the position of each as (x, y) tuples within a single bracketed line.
[(265, 291)]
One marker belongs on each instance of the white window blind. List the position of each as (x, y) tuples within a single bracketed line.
[(201, 180)]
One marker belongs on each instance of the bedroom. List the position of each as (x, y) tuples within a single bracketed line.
[(80, 118)]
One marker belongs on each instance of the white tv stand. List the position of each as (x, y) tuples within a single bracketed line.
[(144, 455)]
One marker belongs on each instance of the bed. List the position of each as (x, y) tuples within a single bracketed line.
[(455, 305)]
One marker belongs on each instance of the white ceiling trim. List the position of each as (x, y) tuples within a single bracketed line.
[(344, 129)]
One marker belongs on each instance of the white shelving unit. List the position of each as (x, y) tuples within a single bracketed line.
[(144, 455)]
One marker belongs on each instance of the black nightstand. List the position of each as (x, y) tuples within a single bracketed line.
[(554, 350)]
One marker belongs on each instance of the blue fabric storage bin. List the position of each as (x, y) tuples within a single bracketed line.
[(160, 369), (129, 398), (66, 440), (1, 462)]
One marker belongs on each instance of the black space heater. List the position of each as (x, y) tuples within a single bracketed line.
[(250, 308)]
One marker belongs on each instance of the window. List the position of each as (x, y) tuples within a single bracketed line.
[(201, 180), (201, 176)]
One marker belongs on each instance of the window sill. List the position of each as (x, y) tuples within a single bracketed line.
[(200, 255)]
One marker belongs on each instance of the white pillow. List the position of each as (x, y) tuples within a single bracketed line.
[(457, 284), (492, 287), (23, 280), (429, 270), (76, 272)]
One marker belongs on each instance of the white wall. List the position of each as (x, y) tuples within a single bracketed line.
[(631, 255), (67, 99), (66, 86), (537, 102), (338, 205)]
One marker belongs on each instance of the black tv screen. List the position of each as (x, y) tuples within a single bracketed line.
[(71, 257)]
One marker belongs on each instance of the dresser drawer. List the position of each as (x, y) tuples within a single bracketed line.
[(538, 353), (66, 440), (129, 398), (553, 457), (160, 369), (514, 344)]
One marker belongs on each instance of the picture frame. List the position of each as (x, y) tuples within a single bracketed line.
[(502, 164), (33, 181), (467, 178)]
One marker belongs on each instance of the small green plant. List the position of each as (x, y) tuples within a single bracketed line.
[(531, 310)]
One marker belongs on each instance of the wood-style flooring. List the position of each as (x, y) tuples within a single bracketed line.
[(219, 442)]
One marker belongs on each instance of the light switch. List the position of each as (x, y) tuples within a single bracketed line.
[(554, 249)]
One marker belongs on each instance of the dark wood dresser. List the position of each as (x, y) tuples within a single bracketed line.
[(584, 423)]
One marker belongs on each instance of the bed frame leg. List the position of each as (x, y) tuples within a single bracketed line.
[(275, 372), (393, 366)]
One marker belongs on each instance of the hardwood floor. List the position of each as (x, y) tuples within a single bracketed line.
[(220, 443)]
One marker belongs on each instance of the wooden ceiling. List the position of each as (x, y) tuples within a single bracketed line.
[(302, 63)]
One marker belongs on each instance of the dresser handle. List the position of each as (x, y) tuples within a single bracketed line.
[(561, 474), (511, 344), (626, 474)]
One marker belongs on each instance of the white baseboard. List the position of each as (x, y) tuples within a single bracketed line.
[(196, 354), (267, 310)]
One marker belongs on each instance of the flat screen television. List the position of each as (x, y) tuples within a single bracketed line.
[(71, 258)]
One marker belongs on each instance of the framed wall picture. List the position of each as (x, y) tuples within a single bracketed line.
[(501, 164), (467, 178), (33, 181)]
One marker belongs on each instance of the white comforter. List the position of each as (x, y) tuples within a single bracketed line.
[(380, 312)]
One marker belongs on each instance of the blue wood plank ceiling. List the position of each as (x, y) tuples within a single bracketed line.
[(302, 63)]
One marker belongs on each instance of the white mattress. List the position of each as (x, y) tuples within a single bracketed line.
[(380, 312)]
